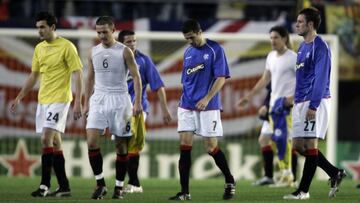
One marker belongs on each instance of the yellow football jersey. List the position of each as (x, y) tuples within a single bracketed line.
[(55, 61), (137, 140)]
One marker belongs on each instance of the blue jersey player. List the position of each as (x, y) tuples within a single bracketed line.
[(149, 76), (311, 112), (205, 70)]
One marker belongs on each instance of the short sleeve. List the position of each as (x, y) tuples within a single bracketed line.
[(35, 66), (152, 75), (221, 68), (267, 63), (293, 60), (72, 58)]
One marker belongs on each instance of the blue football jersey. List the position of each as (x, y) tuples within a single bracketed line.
[(149, 75), (201, 67), (313, 68)]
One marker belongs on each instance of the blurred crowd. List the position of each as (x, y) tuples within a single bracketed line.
[(163, 10)]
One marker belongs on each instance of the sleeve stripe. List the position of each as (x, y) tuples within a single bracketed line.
[(212, 51)]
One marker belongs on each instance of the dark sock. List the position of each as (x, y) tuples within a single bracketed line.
[(268, 157), (133, 166), (184, 167), (294, 162), (325, 165), (311, 162), (46, 165), (59, 168), (221, 162), (96, 162), (121, 167)]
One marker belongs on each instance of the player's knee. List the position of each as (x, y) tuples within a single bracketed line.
[(210, 147), (264, 140), (46, 141), (299, 148), (121, 149), (185, 143), (57, 146), (92, 144)]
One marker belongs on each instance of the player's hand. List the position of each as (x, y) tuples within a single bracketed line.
[(202, 104), (289, 102), (310, 115), (13, 105), (137, 109), (263, 110), (167, 117), (77, 110), (242, 104), (85, 110)]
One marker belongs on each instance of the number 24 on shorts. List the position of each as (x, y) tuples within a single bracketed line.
[(52, 116)]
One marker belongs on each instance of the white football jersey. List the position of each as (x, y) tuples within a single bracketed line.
[(282, 69), (110, 69)]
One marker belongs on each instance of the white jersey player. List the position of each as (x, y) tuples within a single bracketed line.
[(280, 70), (110, 105)]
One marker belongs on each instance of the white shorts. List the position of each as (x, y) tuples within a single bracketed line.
[(266, 129), (203, 123), (111, 111), (113, 136), (51, 116), (311, 129)]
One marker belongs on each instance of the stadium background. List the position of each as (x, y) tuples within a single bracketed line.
[(20, 147)]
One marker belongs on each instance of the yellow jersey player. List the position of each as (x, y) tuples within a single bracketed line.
[(54, 62)]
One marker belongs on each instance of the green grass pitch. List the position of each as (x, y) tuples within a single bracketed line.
[(158, 191)]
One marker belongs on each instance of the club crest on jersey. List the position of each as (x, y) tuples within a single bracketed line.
[(206, 56), (300, 65), (308, 55), (278, 132), (195, 69)]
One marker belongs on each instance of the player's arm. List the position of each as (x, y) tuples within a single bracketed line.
[(156, 84), (131, 64), (89, 84), (261, 84), (322, 73), (77, 76), (163, 103), (29, 84), (218, 84)]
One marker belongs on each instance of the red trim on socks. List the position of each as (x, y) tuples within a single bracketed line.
[(266, 148), (122, 158), (133, 154), (47, 150), (185, 147), (311, 152), (58, 152), (93, 152), (215, 151)]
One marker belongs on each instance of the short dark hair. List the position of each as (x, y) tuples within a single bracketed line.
[(48, 17), (103, 20), (124, 33), (312, 15), (191, 25), (283, 32)]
